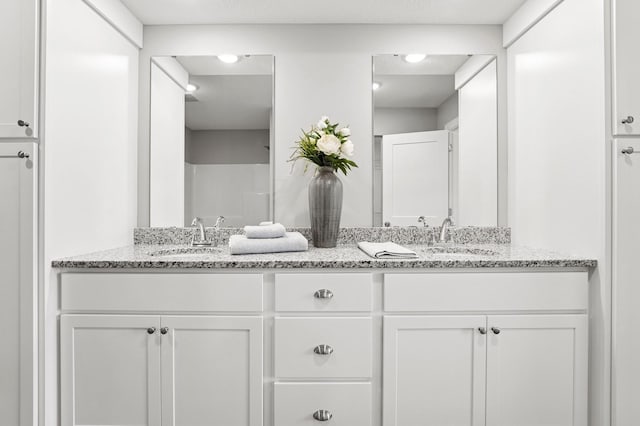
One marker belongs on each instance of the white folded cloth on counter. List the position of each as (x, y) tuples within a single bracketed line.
[(387, 250), (292, 241), (275, 230)]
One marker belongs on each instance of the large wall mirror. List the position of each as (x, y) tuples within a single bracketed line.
[(435, 139), (211, 138)]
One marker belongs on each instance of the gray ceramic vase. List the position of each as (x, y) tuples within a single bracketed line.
[(325, 207)]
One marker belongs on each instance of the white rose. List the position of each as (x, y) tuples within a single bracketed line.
[(329, 144), (347, 148), (345, 131), (324, 122)]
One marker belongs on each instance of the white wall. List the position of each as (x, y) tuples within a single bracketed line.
[(319, 69), (447, 111), (558, 155), (478, 150), (387, 121), (89, 146), (167, 149), (228, 147)]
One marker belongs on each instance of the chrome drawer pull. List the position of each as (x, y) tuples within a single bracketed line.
[(322, 415), (151, 330), (323, 350), (495, 330), (482, 330), (323, 294)]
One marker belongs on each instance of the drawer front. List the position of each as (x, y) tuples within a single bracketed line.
[(308, 292), (349, 404), (348, 340), (161, 292), (508, 291)]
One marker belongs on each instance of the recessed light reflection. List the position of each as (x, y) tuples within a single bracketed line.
[(414, 58)]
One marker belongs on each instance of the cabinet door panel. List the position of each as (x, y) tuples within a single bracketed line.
[(110, 370), (212, 371), (17, 287), (18, 40), (537, 370), (434, 371), (626, 66)]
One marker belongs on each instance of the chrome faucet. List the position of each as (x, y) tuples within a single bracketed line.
[(219, 222), (446, 223), (423, 220), (203, 236)]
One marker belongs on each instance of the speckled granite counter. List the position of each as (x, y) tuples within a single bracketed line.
[(346, 256)]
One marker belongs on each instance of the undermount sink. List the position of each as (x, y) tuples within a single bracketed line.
[(457, 250), (185, 252)]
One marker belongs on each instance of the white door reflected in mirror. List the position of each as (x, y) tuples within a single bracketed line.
[(415, 176)]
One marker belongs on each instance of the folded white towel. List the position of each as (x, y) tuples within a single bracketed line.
[(275, 230), (386, 250), (292, 241)]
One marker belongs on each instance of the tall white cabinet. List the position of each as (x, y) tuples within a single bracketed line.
[(626, 67), (626, 291), (18, 67), (18, 165)]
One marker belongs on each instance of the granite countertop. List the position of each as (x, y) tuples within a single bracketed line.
[(346, 256)]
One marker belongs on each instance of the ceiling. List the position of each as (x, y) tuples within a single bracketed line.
[(160, 12), (231, 102), (426, 84)]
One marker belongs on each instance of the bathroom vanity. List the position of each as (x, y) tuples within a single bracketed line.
[(484, 335)]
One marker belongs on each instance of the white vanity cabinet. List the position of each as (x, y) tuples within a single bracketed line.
[(480, 366), (481, 347), (196, 367), (18, 68), (626, 67)]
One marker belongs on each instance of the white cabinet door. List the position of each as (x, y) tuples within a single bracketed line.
[(626, 67), (537, 370), (212, 371), (626, 285), (18, 65), (110, 370), (434, 370), (17, 282)]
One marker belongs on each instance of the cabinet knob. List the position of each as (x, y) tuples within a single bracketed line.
[(322, 415), (323, 350), (23, 123), (22, 154), (495, 330), (482, 330), (151, 330), (628, 120), (323, 294), (164, 330)]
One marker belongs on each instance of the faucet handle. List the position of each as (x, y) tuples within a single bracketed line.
[(219, 222), (196, 221)]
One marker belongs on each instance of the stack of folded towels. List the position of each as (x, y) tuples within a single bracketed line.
[(267, 238)]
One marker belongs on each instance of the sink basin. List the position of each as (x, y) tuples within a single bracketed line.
[(457, 250), (185, 252)]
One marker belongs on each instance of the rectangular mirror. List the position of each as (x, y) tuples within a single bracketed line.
[(435, 151), (211, 133)]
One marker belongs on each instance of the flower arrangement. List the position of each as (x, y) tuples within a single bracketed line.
[(326, 146)]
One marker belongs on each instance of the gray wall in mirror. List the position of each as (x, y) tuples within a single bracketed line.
[(448, 100)]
